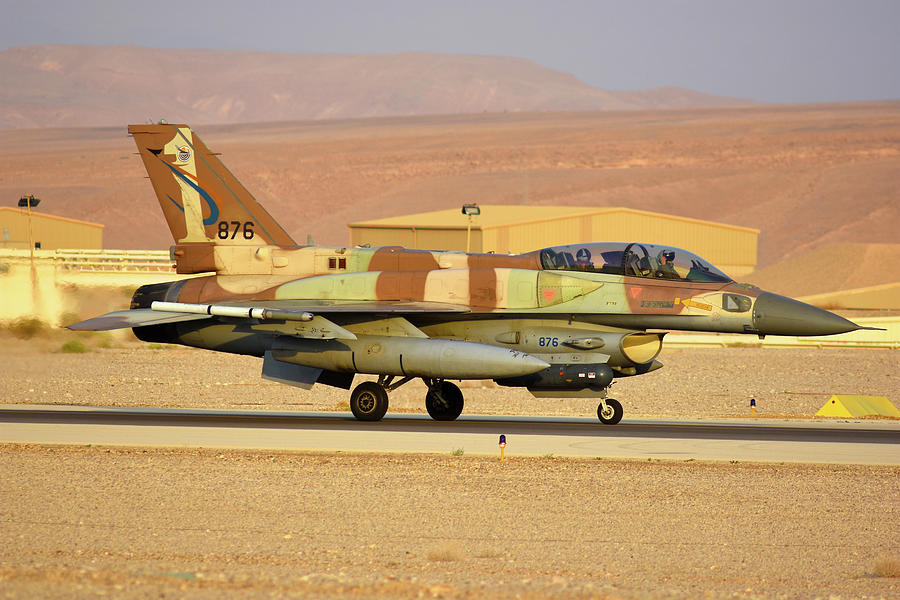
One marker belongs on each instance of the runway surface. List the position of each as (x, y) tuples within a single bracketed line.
[(859, 441)]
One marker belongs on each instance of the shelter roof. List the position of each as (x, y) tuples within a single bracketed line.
[(40, 215)]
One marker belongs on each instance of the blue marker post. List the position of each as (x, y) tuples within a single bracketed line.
[(752, 406), (502, 446)]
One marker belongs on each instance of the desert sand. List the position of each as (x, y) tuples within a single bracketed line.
[(137, 523)]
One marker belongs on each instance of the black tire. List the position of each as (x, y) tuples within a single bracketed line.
[(613, 412), (445, 403), (369, 401)]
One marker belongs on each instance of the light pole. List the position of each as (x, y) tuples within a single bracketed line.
[(470, 210), (29, 202)]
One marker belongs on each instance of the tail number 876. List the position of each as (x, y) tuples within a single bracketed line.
[(228, 230)]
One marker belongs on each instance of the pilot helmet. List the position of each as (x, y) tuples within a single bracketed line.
[(583, 255), (668, 255)]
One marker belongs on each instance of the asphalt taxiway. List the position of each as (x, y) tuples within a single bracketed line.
[(851, 441)]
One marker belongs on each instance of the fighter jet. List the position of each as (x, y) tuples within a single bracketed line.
[(564, 321)]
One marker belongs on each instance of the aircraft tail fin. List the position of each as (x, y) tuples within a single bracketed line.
[(204, 204)]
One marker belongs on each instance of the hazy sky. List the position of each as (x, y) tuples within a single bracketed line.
[(768, 50)]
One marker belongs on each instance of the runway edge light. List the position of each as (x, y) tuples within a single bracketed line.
[(844, 405)]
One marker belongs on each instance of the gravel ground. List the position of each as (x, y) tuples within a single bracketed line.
[(136, 523), (695, 382), (133, 523)]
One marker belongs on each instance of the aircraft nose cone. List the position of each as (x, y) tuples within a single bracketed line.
[(778, 315)]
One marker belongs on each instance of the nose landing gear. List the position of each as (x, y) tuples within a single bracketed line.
[(609, 411)]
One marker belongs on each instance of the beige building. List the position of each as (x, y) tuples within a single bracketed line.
[(517, 229), (49, 232)]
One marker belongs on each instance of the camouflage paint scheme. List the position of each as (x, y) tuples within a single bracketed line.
[(540, 319)]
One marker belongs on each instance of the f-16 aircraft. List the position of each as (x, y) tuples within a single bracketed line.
[(561, 322)]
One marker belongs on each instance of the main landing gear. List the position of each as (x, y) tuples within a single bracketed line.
[(369, 401), (444, 400)]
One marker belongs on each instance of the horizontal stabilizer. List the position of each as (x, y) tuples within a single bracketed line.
[(139, 317)]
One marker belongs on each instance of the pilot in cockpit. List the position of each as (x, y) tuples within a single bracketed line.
[(666, 269), (583, 260)]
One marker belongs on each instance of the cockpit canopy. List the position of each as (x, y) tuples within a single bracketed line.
[(635, 260)]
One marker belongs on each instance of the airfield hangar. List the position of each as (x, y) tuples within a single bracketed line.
[(517, 229), (49, 232)]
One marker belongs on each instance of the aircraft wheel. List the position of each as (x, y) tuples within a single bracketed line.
[(610, 412), (369, 401), (444, 402)]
